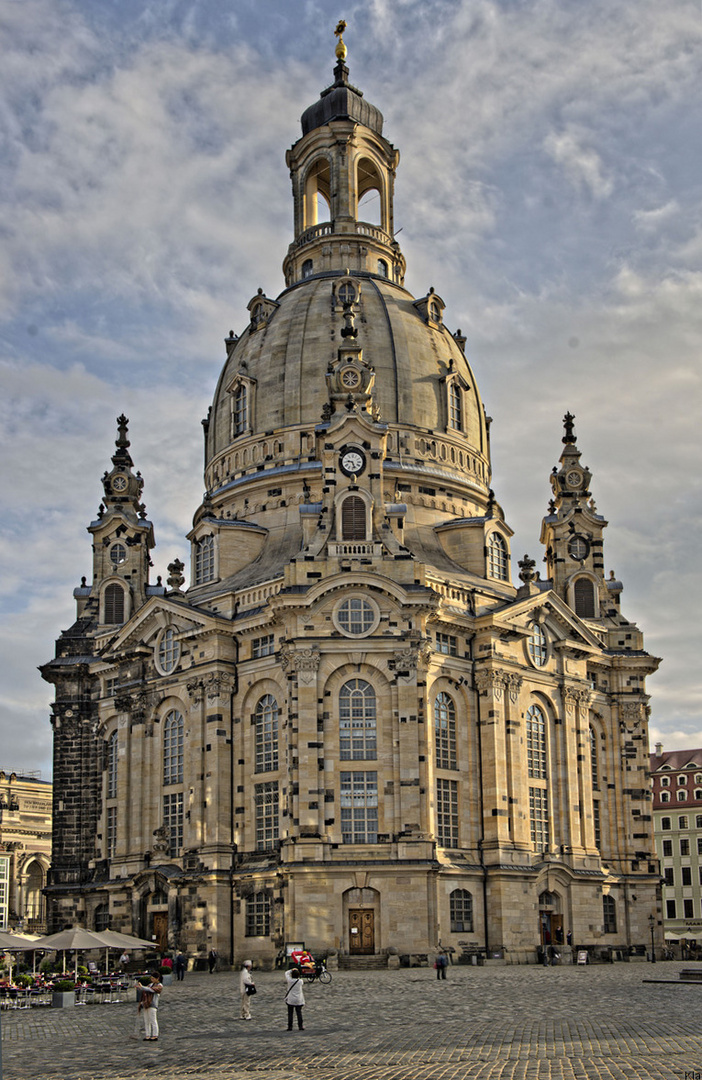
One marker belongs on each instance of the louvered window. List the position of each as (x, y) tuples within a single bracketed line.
[(353, 518), (584, 597), (114, 604)]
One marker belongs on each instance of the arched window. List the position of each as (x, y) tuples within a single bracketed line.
[(111, 767), (461, 911), (266, 722), (204, 560), (609, 911), (584, 598), (307, 269), (168, 651), (497, 557), (114, 605), (240, 409), (382, 268), (455, 406), (682, 796), (347, 293), (445, 731), (593, 759), (665, 796), (537, 645), (353, 518), (33, 897), (357, 721), (665, 823), (698, 793), (682, 779), (665, 781), (173, 748), (536, 742)]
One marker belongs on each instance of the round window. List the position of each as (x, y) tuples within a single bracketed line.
[(168, 651), (118, 554), (356, 616), (538, 645), (578, 548)]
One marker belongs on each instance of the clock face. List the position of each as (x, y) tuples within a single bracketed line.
[(573, 478), (578, 548), (119, 483), (353, 462)]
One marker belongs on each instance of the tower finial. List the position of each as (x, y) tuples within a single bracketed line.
[(569, 437), (341, 50)]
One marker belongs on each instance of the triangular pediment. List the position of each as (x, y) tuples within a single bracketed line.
[(550, 611), (156, 615)]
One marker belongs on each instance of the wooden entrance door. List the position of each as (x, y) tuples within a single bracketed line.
[(161, 930), (361, 931)]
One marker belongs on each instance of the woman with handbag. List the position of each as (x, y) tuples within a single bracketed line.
[(247, 989), (294, 997)]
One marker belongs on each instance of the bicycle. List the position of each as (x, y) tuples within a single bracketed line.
[(320, 972)]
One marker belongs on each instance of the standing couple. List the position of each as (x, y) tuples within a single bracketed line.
[(294, 997)]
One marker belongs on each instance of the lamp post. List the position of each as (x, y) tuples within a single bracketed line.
[(652, 924)]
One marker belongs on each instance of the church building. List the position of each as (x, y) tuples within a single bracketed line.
[(347, 725)]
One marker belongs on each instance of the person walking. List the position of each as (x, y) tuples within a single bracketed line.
[(245, 980), (212, 959), (441, 963), (149, 1006), (294, 997), (180, 967)]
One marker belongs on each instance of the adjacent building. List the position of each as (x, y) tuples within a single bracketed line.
[(676, 777), (349, 726), (25, 850)]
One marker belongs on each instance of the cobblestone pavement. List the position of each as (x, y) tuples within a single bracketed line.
[(491, 1023)]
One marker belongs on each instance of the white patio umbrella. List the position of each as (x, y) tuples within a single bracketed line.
[(115, 940), (12, 943), (74, 940)]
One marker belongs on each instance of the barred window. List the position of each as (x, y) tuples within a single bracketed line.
[(609, 911), (596, 823), (110, 832), (537, 645), (173, 748), (497, 557), (445, 731), (683, 822), (455, 406), (266, 805), (461, 909), (258, 915), (685, 846), (240, 417), (111, 767), (262, 646), (538, 816), (173, 822), (266, 722), (359, 807), (357, 721), (593, 760), (447, 644), (168, 651), (114, 605), (536, 742), (204, 560), (447, 813)]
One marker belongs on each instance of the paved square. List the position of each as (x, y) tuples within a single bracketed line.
[(506, 1023)]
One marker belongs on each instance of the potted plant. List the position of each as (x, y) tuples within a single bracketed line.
[(64, 994), (166, 974)]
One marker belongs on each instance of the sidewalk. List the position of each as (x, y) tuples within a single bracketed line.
[(511, 1023)]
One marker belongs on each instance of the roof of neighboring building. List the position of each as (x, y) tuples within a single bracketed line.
[(676, 760)]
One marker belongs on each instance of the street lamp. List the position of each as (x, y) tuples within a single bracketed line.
[(652, 924)]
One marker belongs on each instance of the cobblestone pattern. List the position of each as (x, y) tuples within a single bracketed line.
[(516, 1023)]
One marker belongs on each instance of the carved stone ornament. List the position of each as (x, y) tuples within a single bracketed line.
[(123, 702), (576, 697), (632, 712), (161, 841), (514, 685), (216, 685), (304, 662), (491, 682), (195, 691)]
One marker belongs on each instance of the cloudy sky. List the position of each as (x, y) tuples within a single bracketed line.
[(550, 189)]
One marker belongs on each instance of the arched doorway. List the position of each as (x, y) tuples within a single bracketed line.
[(550, 919), (361, 920)]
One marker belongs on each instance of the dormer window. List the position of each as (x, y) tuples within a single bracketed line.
[(242, 401), (204, 560), (434, 312), (455, 406), (497, 557), (240, 409), (347, 293)]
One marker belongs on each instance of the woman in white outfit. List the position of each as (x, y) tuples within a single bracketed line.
[(245, 980), (294, 998)]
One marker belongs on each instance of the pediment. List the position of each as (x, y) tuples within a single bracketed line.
[(549, 611), (156, 615)]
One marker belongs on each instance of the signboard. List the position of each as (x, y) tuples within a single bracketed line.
[(4, 890), (582, 956)]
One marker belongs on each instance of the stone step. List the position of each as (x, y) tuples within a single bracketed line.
[(363, 963)]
